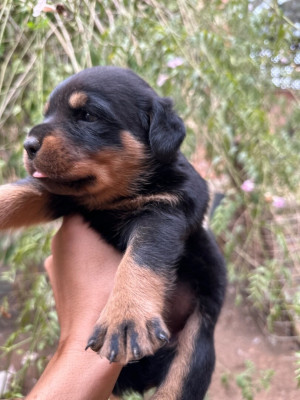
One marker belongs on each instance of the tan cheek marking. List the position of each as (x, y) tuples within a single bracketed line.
[(78, 99), (22, 205), (172, 386), (132, 146), (116, 171), (122, 165)]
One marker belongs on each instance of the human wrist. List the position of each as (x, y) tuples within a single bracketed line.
[(74, 339), (76, 374), (78, 324)]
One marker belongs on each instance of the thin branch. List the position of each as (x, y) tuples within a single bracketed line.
[(65, 41)]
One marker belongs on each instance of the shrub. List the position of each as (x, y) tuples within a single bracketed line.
[(217, 60)]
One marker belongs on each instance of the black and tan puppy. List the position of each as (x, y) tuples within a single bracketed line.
[(108, 149)]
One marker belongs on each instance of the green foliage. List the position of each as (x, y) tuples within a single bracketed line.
[(251, 381), (215, 60), (133, 396), (37, 329), (36, 322)]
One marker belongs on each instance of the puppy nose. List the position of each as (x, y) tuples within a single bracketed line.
[(32, 146)]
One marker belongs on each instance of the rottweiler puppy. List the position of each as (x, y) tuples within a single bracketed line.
[(108, 149)]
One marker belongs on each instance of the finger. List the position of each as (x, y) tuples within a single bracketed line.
[(48, 264)]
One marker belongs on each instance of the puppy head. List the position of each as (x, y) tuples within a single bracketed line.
[(103, 128)]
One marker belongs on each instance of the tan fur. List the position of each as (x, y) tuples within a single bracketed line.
[(55, 144), (78, 99), (116, 172), (54, 157), (138, 296), (140, 201), (172, 386), (22, 205)]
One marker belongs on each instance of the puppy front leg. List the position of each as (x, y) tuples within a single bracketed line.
[(24, 203), (132, 325)]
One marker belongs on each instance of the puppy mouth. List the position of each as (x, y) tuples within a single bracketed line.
[(39, 175), (61, 184)]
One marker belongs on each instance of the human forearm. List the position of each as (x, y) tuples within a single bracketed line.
[(76, 374), (81, 272)]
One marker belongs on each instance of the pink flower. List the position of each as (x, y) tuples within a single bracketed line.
[(284, 60), (175, 62), (162, 78), (42, 6), (39, 7), (248, 186), (278, 202)]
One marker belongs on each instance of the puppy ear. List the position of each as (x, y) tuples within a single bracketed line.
[(167, 130)]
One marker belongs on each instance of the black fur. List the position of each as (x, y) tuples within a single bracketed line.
[(167, 237)]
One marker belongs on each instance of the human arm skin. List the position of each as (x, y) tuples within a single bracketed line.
[(81, 271)]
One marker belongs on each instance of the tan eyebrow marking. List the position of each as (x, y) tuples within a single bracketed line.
[(78, 99)]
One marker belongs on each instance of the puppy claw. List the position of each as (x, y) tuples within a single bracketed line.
[(157, 332), (162, 336), (95, 341), (112, 356), (91, 344), (136, 353)]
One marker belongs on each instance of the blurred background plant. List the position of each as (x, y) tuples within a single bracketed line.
[(232, 68), (250, 380)]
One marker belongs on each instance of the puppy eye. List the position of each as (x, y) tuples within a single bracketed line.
[(86, 116)]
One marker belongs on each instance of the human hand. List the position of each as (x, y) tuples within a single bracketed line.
[(81, 271)]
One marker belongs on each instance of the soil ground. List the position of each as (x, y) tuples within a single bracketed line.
[(238, 338)]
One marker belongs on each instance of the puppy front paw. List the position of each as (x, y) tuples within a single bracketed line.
[(125, 336)]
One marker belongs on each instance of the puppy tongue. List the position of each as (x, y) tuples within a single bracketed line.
[(38, 174)]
